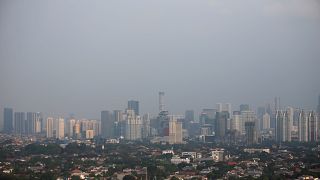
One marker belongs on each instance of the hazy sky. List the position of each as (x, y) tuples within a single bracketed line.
[(81, 56)]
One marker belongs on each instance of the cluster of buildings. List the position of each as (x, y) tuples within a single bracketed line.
[(220, 124)]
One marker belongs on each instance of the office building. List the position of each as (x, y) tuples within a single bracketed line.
[(303, 127), (236, 121), (8, 120), (146, 130), (50, 127), (134, 105), (60, 128), (247, 116), (33, 122), (244, 107), (251, 137), (19, 122), (221, 124), (266, 121), (69, 129), (175, 131), (312, 127), (117, 114), (161, 102), (217, 155), (133, 126), (107, 124), (189, 116), (220, 107)]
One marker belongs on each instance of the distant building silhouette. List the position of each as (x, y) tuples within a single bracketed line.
[(107, 124), (134, 105), (8, 120)]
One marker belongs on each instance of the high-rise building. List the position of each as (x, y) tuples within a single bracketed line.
[(236, 121), (146, 131), (107, 124), (223, 107), (318, 108), (266, 121), (250, 129), (189, 115), (244, 107), (50, 127), (8, 120), (283, 125), (133, 126), (19, 122), (117, 114), (69, 129), (221, 123), (211, 113), (33, 122), (280, 127), (247, 116), (175, 131), (60, 128), (303, 127), (77, 130), (134, 105), (312, 127), (161, 102)]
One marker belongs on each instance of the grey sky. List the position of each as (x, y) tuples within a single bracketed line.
[(85, 56)]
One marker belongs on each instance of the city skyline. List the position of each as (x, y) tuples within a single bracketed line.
[(96, 56)]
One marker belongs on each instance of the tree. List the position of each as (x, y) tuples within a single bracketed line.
[(129, 177)]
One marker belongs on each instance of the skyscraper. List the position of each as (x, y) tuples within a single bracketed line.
[(33, 122), (8, 120), (266, 121), (303, 127), (175, 131), (50, 127), (312, 127), (60, 129), (236, 121), (244, 107), (284, 125), (280, 126), (223, 107), (250, 133), (133, 126), (107, 124), (221, 123), (19, 122), (134, 105), (189, 115), (161, 102)]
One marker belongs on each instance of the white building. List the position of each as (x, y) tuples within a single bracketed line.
[(50, 126), (217, 155), (133, 126), (175, 131), (178, 160), (266, 121), (60, 128)]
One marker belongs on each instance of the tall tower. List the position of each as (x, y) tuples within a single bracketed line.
[(161, 101), (312, 126), (303, 127), (106, 124), (33, 122), (19, 120), (318, 109), (134, 105), (50, 122), (60, 133), (8, 120), (250, 133)]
